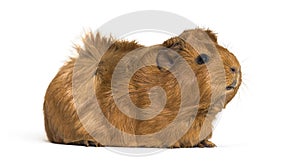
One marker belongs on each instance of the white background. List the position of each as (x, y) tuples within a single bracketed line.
[(260, 124)]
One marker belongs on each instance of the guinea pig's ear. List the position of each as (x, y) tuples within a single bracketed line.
[(212, 35), (174, 43), (166, 58)]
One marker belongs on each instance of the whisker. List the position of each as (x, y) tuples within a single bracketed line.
[(245, 85), (244, 60)]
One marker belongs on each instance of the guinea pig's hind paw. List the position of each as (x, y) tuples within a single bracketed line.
[(89, 143), (206, 143)]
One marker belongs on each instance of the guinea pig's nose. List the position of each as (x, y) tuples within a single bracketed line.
[(233, 84), (233, 69)]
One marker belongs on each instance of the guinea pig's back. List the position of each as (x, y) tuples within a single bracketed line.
[(61, 120)]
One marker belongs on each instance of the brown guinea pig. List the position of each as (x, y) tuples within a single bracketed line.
[(120, 93)]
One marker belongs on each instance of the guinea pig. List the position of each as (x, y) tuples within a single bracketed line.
[(121, 93)]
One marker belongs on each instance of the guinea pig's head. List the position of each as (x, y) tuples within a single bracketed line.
[(217, 70)]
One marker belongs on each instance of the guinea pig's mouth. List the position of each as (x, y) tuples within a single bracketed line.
[(231, 86), (228, 88)]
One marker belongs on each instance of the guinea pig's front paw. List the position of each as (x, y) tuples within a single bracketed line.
[(176, 145), (206, 143)]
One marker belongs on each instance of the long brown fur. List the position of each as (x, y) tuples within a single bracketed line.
[(63, 124)]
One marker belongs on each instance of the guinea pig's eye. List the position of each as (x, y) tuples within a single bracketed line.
[(202, 58)]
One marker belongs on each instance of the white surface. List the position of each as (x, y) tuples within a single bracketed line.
[(260, 124)]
